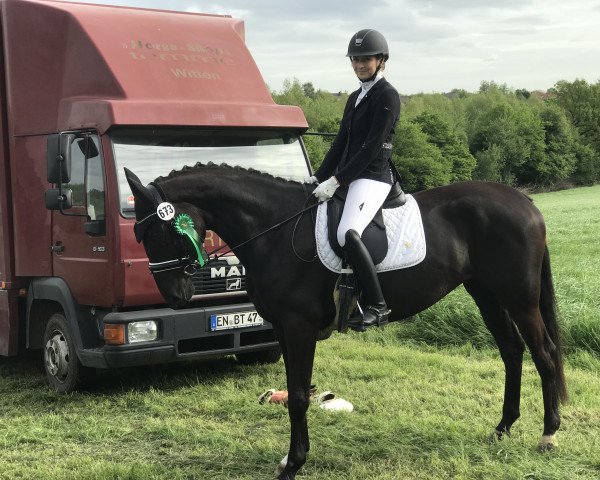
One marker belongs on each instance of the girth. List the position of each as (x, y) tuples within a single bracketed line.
[(374, 236)]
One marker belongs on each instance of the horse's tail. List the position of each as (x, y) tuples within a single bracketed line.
[(550, 317)]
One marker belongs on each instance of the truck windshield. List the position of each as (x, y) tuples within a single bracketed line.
[(150, 153)]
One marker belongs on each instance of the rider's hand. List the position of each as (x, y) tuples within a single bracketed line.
[(326, 189), (311, 180)]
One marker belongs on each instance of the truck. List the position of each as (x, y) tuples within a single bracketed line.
[(86, 90)]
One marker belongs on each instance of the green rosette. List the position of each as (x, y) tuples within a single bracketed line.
[(184, 225)]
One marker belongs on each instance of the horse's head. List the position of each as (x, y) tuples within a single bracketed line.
[(173, 236)]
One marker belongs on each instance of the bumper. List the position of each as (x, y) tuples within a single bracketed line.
[(183, 334)]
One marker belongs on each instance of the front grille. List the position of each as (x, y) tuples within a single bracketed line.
[(219, 277)]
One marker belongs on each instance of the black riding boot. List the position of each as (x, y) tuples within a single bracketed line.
[(375, 311)]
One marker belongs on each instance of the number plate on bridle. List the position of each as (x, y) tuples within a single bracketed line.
[(165, 211)]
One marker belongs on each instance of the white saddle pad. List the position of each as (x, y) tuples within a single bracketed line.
[(405, 236)]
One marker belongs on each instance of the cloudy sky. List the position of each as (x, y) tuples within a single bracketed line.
[(435, 45)]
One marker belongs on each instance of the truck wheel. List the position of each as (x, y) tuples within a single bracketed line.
[(64, 371), (270, 355)]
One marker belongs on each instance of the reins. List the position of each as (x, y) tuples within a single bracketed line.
[(187, 264), (264, 232)]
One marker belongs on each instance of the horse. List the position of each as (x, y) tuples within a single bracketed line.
[(486, 236)]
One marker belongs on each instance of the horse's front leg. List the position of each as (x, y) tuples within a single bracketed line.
[(300, 338)]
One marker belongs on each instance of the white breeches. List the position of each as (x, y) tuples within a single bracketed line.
[(364, 199)]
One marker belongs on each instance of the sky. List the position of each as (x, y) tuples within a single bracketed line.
[(435, 45)]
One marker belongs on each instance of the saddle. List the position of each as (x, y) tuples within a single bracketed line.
[(374, 236)]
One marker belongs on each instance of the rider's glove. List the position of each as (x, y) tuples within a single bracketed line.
[(326, 189), (311, 180)]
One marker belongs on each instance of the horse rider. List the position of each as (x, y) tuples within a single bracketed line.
[(360, 158)]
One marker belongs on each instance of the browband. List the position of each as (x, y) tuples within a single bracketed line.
[(157, 193)]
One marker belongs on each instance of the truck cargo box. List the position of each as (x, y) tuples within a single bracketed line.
[(118, 84)]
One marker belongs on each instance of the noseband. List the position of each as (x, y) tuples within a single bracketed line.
[(183, 225)]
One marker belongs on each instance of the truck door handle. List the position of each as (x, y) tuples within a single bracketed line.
[(58, 247)]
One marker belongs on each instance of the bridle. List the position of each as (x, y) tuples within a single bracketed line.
[(183, 226), (186, 262)]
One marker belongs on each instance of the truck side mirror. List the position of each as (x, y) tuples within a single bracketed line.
[(59, 157), (87, 147), (58, 198)]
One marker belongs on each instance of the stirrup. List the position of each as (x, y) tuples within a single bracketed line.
[(357, 320)]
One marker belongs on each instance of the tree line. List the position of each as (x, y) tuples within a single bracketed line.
[(539, 140)]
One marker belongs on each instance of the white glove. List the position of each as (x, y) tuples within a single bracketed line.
[(311, 180), (326, 189)]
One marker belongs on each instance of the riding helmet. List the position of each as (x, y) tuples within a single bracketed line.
[(368, 42)]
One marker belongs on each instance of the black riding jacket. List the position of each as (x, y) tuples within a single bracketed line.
[(363, 145)]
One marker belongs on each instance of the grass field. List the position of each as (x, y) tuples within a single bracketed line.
[(426, 394)]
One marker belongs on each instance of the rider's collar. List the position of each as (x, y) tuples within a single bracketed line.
[(366, 86)]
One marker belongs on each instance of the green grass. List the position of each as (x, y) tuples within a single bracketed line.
[(420, 413), (422, 410)]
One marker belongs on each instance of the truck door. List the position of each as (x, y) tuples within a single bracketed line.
[(79, 241)]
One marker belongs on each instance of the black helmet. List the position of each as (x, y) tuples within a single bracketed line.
[(368, 42)]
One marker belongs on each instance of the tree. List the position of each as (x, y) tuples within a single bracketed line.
[(420, 163), (559, 160), (581, 101), (309, 90), (458, 93), (496, 134), (316, 148), (451, 147), (510, 125), (323, 113), (490, 162), (292, 94), (486, 87), (587, 165)]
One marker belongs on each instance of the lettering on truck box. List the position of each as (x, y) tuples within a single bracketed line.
[(140, 50)]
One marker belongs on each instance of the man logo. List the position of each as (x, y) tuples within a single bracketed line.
[(234, 284), (225, 272)]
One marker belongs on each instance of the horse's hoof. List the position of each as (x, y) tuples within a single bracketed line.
[(498, 435), (281, 467), (548, 443)]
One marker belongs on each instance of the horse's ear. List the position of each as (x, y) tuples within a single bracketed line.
[(140, 192), (131, 176)]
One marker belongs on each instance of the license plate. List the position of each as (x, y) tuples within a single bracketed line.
[(225, 321)]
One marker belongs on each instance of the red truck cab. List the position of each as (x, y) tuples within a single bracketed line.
[(101, 88)]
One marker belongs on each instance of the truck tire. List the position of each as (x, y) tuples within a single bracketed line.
[(64, 371), (271, 355)]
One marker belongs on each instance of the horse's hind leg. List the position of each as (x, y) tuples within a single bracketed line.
[(511, 348), (543, 352)]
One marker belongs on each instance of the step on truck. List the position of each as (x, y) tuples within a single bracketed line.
[(86, 90)]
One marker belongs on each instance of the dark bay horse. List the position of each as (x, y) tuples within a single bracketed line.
[(486, 236)]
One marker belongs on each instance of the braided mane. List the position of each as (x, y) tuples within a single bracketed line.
[(199, 166)]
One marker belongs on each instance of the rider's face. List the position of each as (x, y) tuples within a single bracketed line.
[(364, 67)]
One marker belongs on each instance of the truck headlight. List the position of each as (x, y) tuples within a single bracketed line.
[(142, 331)]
